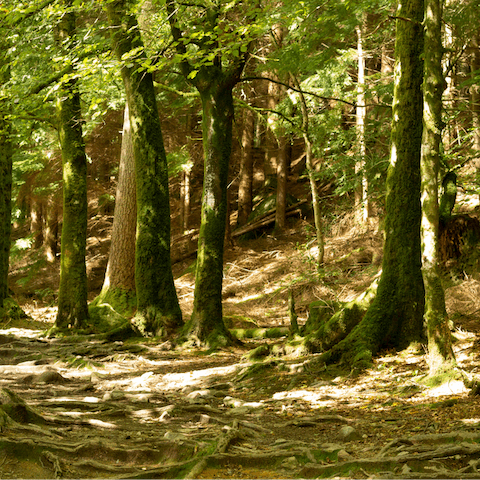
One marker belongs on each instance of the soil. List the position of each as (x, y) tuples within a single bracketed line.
[(85, 408)]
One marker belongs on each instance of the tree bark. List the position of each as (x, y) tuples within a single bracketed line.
[(6, 152), (395, 318), (361, 192), (158, 310), (119, 285), (475, 103), (37, 221), (72, 296), (50, 234), (440, 353), (245, 192), (206, 323), (317, 214), (215, 83), (281, 200)]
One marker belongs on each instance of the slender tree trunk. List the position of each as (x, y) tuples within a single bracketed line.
[(50, 234), (361, 192), (72, 296), (245, 192), (119, 285), (206, 323), (475, 103), (5, 174), (440, 353), (317, 214), (395, 318), (36, 222), (158, 310), (281, 202)]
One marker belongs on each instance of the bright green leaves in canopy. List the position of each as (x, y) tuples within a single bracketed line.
[(216, 33)]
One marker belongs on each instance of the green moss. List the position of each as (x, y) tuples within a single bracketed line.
[(11, 310), (258, 353), (103, 318), (122, 301), (443, 376), (259, 333), (256, 369)]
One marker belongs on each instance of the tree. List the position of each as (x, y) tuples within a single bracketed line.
[(119, 284), (214, 69), (361, 192), (72, 296), (5, 163), (158, 310), (245, 187), (440, 352), (317, 214), (395, 317)]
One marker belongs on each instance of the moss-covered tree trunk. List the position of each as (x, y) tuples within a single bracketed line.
[(214, 81), (158, 310), (440, 353), (206, 323), (395, 318), (119, 285), (72, 295), (5, 172)]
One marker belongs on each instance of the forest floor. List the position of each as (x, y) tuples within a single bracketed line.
[(83, 408)]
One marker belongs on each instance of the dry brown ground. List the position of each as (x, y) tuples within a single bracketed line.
[(147, 410)]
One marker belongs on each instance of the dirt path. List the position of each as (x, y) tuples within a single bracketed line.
[(82, 408), (142, 410)]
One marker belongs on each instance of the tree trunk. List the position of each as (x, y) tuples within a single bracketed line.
[(281, 200), (395, 318), (36, 221), (245, 192), (361, 192), (475, 103), (317, 214), (50, 234), (158, 310), (185, 197), (119, 285), (72, 295), (215, 83), (206, 323), (186, 174), (440, 352), (5, 174)]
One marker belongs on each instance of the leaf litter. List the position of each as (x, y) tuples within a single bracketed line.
[(140, 410)]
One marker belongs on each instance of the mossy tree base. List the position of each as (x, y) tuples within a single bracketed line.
[(322, 332), (11, 310), (216, 337), (121, 300)]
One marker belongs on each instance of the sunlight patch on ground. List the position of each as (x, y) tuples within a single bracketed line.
[(22, 332), (453, 387), (471, 421), (149, 381)]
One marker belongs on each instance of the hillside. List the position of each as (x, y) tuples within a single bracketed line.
[(140, 409)]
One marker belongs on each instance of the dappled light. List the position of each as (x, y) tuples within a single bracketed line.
[(132, 395), (239, 239)]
